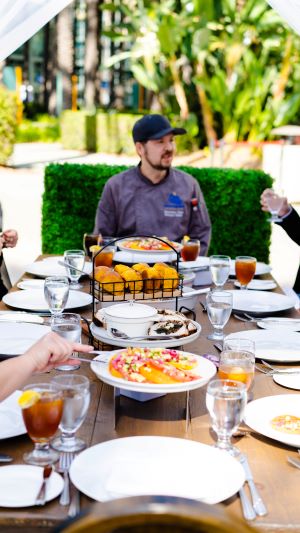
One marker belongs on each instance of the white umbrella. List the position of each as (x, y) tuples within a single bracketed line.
[(20, 19), (289, 10)]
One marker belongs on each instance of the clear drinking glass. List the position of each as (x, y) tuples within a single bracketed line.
[(75, 390), (226, 400), (245, 267), (91, 239), (41, 418), (219, 307), (76, 259), (68, 326), (219, 268), (274, 202), (56, 291), (237, 361)]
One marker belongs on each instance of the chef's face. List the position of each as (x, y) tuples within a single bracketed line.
[(157, 153)]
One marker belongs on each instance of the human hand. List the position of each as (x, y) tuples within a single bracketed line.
[(52, 350), (285, 207), (10, 237), (1, 243)]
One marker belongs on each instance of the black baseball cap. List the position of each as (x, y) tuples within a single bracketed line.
[(152, 127)]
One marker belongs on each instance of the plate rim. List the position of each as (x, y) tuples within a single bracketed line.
[(18, 325), (30, 268), (37, 309), (256, 293), (152, 388), (167, 440), (20, 431), (261, 332)]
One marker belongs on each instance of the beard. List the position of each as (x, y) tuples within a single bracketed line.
[(159, 165)]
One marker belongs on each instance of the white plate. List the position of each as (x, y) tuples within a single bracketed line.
[(50, 267), (259, 284), (11, 420), (259, 413), (129, 257), (285, 324), (261, 268), (103, 335), (31, 284), (289, 381), (200, 263), (272, 345), (205, 369), (20, 484), (34, 300), (135, 466), (16, 338), (120, 245), (260, 302)]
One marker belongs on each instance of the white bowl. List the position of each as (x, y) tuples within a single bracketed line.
[(130, 318)]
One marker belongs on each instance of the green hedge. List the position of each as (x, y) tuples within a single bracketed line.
[(43, 129), (72, 193), (8, 123)]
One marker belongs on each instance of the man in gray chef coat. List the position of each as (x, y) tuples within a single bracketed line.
[(154, 198)]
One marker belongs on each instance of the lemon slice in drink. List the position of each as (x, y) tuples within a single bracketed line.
[(95, 248), (28, 398), (186, 238)]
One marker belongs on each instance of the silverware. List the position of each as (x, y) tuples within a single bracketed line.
[(120, 335), (293, 461), (257, 501), (203, 307), (218, 346), (5, 458), (243, 318), (65, 461), (84, 360), (247, 507), (276, 372), (74, 508), (41, 496)]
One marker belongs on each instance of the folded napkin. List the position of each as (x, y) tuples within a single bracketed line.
[(15, 316)]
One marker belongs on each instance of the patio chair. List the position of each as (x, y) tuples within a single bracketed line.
[(155, 514)]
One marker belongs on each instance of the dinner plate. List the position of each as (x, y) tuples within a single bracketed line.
[(31, 284), (261, 268), (11, 420), (260, 302), (259, 284), (121, 246), (104, 336), (129, 257), (272, 345), (16, 338), (34, 300), (288, 380), (50, 267), (135, 466), (20, 484), (259, 413), (285, 324), (200, 264), (205, 369)]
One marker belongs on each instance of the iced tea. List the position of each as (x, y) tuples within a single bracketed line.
[(190, 250), (42, 418), (245, 267)]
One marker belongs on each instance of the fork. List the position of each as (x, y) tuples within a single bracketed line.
[(65, 461)]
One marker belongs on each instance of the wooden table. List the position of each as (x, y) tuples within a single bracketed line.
[(277, 480)]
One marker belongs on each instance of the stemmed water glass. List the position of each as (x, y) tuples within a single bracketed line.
[(274, 203), (219, 268), (42, 409), (68, 326), (75, 390), (56, 291), (219, 307), (75, 259), (226, 400)]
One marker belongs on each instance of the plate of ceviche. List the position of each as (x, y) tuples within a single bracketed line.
[(154, 370), (149, 244)]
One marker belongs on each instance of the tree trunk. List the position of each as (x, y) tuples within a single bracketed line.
[(179, 90), (65, 57), (51, 68), (91, 59)]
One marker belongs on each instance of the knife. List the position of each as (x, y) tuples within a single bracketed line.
[(258, 503)]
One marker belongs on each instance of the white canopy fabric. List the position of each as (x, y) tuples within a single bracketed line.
[(20, 19), (289, 10)]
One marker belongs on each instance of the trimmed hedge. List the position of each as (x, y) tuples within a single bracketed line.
[(8, 123), (72, 193)]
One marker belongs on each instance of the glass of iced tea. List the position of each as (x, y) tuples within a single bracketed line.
[(190, 249), (105, 256), (237, 361), (245, 267), (42, 409), (91, 239)]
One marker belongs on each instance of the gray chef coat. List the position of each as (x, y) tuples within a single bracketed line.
[(132, 205)]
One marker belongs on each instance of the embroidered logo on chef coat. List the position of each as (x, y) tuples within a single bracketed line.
[(174, 206)]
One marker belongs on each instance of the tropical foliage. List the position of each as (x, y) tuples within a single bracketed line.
[(232, 63)]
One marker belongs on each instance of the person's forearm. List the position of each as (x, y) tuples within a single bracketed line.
[(14, 373)]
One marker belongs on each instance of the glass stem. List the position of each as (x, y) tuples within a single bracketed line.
[(224, 441)]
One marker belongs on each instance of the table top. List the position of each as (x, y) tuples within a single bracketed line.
[(164, 416)]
